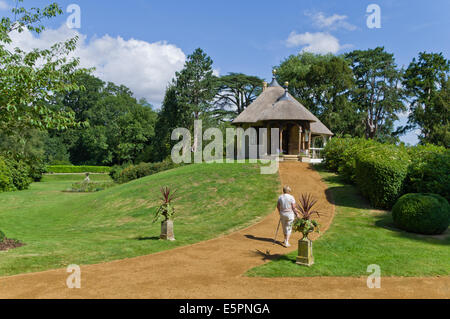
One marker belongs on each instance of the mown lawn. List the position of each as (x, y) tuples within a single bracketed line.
[(62, 228), (360, 236)]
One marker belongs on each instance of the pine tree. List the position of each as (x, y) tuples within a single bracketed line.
[(427, 84)]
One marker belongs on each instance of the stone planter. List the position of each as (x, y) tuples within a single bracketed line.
[(305, 254), (167, 230)]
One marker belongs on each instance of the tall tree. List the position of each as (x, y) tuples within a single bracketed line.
[(378, 92), (170, 117), (323, 84), (196, 86), (81, 101), (120, 128), (236, 92), (28, 80), (427, 83), (295, 70)]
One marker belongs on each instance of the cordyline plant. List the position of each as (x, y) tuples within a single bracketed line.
[(305, 224), (166, 210)]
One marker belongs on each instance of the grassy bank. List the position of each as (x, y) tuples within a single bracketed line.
[(75, 228)]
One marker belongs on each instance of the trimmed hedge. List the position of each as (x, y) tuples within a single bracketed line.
[(78, 169), (422, 213), (429, 171), (340, 155), (333, 151), (380, 173), (381, 168), (125, 174), (347, 168)]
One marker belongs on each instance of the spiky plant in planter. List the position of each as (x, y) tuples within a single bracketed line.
[(306, 225), (167, 211)]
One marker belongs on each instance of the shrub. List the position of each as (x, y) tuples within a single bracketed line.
[(332, 152), (20, 174), (14, 175), (2, 236), (380, 173), (383, 167), (133, 172), (37, 169), (429, 171), (340, 155), (78, 169), (115, 171), (5, 176), (347, 165), (422, 213)]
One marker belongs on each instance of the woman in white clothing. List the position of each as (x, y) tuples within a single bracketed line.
[(287, 210)]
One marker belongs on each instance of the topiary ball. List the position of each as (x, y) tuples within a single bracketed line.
[(422, 213)]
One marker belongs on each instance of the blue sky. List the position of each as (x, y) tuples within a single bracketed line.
[(244, 36)]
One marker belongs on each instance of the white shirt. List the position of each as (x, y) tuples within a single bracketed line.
[(285, 202)]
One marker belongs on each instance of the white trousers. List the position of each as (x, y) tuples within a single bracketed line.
[(286, 221)]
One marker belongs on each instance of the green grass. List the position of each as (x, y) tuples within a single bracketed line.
[(360, 236), (61, 228)]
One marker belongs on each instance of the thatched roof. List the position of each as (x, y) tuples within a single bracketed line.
[(275, 103), (320, 128)]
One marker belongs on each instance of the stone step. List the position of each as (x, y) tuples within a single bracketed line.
[(290, 158)]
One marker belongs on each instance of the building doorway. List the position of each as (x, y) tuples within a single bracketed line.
[(285, 141), (290, 143)]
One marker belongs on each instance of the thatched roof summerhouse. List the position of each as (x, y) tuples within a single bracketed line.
[(298, 127)]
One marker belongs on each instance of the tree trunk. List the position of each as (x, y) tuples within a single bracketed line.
[(195, 145)]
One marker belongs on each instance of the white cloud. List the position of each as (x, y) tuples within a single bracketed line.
[(4, 5), (404, 114), (411, 137), (318, 42), (332, 22), (146, 68), (321, 42)]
